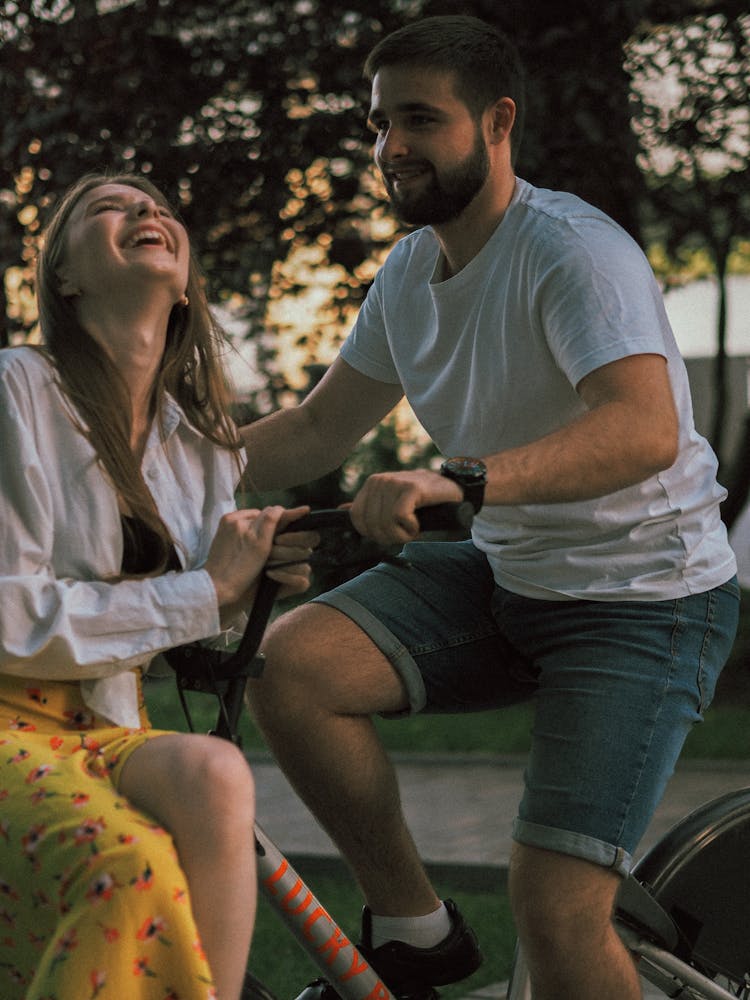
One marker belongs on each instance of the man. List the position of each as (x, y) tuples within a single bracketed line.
[(526, 330)]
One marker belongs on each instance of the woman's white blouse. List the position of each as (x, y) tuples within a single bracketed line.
[(63, 613)]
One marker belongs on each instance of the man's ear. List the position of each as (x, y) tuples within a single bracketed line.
[(68, 287), (501, 116)]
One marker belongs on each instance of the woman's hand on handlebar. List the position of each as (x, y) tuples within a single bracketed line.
[(384, 509), (243, 543), (291, 550)]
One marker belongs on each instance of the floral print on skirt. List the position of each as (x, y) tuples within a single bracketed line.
[(93, 902)]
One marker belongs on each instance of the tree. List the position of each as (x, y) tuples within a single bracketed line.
[(221, 103), (693, 118), (252, 117)]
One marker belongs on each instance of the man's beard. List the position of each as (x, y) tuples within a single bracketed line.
[(443, 198)]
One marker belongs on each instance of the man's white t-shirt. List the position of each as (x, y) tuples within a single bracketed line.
[(489, 359)]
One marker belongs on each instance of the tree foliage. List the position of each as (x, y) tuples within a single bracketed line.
[(693, 116), (252, 117), (219, 102)]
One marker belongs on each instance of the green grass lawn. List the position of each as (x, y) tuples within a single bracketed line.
[(724, 734)]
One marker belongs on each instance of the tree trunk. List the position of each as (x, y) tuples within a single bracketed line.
[(720, 364), (737, 481), (4, 331)]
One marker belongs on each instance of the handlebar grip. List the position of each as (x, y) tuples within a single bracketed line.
[(328, 519), (441, 516), (446, 516)]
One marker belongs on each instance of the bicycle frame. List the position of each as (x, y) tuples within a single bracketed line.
[(200, 669), (667, 972), (316, 931), (657, 965)]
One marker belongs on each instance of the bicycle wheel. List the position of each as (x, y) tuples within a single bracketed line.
[(699, 873)]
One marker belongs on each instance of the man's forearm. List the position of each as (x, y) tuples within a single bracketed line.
[(629, 433), (600, 453), (283, 451)]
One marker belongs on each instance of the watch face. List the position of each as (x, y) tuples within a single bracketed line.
[(466, 468)]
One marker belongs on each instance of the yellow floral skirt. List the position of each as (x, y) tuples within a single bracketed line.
[(93, 902)]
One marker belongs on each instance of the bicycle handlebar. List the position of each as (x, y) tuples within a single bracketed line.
[(441, 516), (201, 669)]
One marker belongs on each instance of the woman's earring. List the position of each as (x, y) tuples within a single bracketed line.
[(184, 302)]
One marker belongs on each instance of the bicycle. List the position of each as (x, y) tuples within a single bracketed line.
[(225, 675), (682, 912)]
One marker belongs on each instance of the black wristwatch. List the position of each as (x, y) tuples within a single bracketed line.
[(471, 476)]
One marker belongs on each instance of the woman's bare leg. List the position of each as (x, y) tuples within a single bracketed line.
[(200, 789)]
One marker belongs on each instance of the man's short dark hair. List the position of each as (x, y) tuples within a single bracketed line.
[(485, 62)]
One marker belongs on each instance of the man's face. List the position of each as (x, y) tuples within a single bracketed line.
[(429, 148)]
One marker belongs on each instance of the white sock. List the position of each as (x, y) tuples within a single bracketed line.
[(421, 932)]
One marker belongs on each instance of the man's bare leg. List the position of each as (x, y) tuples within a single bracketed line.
[(323, 680), (563, 908)]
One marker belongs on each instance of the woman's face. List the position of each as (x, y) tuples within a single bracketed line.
[(118, 236)]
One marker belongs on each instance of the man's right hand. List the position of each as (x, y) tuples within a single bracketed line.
[(384, 509)]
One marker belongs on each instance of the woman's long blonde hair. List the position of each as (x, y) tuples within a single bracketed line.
[(191, 370)]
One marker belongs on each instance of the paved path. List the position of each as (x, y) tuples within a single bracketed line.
[(460, 811)]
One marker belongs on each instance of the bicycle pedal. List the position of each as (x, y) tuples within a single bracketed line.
[(321, 989), (318, 989), (253, 989)]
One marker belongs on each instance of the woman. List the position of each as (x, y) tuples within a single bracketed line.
[(126, 854)]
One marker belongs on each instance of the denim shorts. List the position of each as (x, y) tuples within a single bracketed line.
[(617, 685)]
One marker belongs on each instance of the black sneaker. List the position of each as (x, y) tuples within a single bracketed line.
[(321, 989), (409, 971), (412, 973)]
